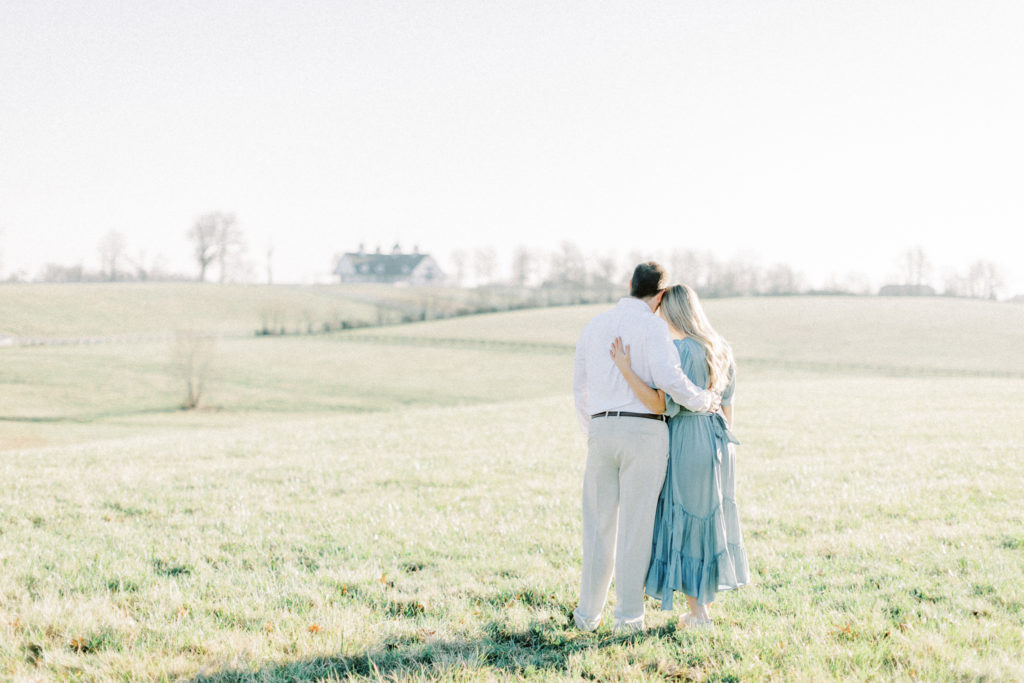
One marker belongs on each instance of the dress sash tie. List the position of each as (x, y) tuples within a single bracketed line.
[(723, 435)]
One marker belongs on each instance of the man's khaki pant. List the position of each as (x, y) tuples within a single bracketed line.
[(626, 461)]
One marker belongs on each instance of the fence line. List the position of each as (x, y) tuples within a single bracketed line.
[(814, 366), (458, 342), (518, 346), (113, 339), (891, 370)]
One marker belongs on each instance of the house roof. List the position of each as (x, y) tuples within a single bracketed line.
[(391, 265)]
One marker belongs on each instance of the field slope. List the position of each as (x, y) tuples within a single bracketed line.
[(132, 309), (402, 504)]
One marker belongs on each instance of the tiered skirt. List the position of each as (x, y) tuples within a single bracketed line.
[(697, 546)]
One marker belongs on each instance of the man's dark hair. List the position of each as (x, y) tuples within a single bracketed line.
[(648, 280)]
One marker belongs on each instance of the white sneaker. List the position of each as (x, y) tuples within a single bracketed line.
[(629, 627), (585, 624)]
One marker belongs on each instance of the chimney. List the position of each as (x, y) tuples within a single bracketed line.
[(397, 249)]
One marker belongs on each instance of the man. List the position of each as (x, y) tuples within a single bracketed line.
[(627, 447)]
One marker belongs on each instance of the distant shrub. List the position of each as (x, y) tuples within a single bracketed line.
[(193, 356)]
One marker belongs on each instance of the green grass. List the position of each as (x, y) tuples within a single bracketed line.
[(913, 336), (66, 394), (109, 309), (444, 542), (65, 311), (409, 510), (889, 334)]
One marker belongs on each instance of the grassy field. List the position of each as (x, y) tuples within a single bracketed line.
[(110, 309), (402, 504), (911, 336), (63, 311)]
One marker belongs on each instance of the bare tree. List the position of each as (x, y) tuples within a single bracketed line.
[(691, 267), (138, 264), (193, 356), (606, 271), (917, 269), (459, 259), (54, 272), (204, 241), (739, 277), (270, 263), (230, 245), (781, 279), (112, 251), (485, 263), (955, 283), (568, 267), (635, 258), (523, 265), (984, 280), (146, 268), (216, 238)]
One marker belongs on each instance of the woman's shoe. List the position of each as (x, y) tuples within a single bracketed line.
[(690, 621)]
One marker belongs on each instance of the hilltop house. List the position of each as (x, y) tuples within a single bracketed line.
[(414, 268)]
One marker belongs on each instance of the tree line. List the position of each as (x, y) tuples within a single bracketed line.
[(982, 279), (569, 268), (218, 249), (217, 245)]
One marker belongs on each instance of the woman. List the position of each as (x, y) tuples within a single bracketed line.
[(697, 548)]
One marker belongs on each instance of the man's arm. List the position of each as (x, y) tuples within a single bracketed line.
[(579, 386), (668, 375)]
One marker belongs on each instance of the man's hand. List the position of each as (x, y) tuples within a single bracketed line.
[(716, 402)]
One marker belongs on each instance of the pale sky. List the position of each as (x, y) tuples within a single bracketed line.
[(830, 135)]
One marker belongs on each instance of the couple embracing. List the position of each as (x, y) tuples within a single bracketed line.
[(653, 385)]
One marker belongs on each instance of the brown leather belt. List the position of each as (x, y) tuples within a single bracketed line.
[(623, 413)]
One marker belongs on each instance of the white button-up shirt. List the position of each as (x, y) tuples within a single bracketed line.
[(598, 385)]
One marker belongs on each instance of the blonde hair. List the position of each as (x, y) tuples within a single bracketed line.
[(682, 309)]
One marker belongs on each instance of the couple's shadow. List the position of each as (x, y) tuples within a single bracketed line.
[(543, 646)]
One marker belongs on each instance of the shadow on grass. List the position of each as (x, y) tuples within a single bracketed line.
[(543, 647)]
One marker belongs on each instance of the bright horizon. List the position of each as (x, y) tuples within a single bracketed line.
[(829, 136)]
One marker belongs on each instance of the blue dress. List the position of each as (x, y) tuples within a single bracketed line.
[(697, 547)]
